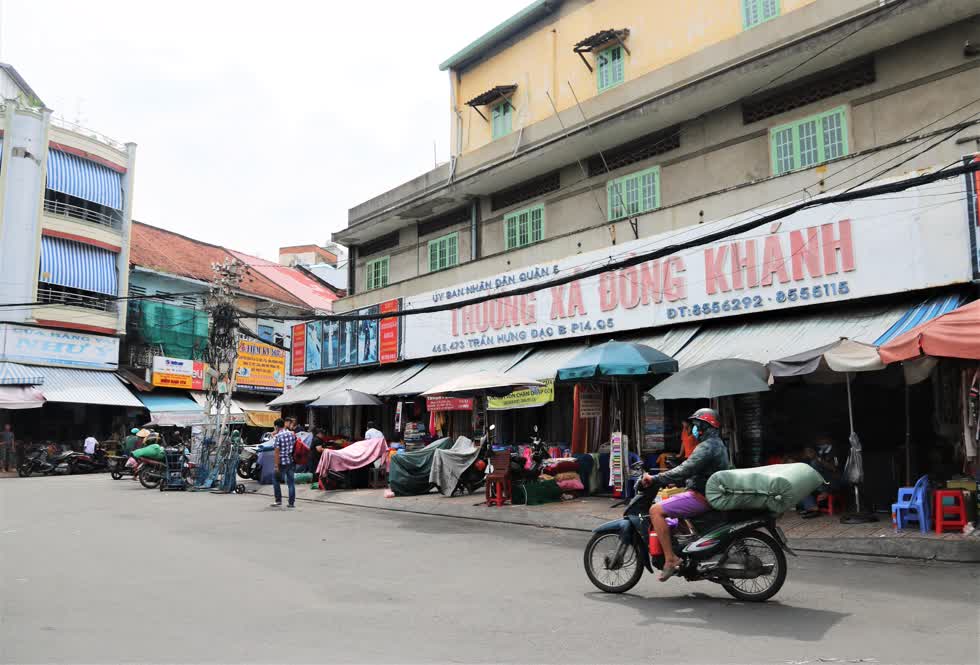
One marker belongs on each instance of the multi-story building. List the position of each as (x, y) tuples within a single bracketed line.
[(66, 196)]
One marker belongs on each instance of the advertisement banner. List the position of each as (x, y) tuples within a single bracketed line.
[(367, 337), (348, 343), (331, 345), (60, 348), (313, 341), (525, 399), (297, 351), (178, 373), (448, 403), (260, 367), (388, 333), (869, 247)]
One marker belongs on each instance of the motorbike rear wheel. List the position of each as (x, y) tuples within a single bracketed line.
[(764, 587), (602, 547), (116, 475), (243, 469), (25, 470), (150, 479)]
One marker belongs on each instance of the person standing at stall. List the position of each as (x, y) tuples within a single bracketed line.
[(7, 446), (284, 442), (373, 433)]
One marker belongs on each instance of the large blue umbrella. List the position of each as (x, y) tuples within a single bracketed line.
[(616, 359)]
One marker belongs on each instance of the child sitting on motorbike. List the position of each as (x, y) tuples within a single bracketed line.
[(710, 455)]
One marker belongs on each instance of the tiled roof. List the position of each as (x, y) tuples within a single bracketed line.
[(301, 285), (171, 253)]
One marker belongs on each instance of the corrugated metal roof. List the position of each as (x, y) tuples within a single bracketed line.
[(169, 402), (669, 340), (86, 387), (769, 339), (925, 311), (544, 363), (309, 390), (437, 372), (375, 382)]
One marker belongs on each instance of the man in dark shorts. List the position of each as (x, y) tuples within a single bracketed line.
[(710, 455)]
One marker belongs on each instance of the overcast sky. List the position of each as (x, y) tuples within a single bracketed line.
[(258, 124)]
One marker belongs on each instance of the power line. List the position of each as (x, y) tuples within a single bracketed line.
[(635, 259)]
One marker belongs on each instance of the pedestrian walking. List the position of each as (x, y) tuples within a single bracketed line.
[(6, 446), (284, 442), (91, 443)]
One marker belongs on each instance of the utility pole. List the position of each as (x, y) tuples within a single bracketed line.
[(219, 454)]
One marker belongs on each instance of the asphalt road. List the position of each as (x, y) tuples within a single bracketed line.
[(93, 570)]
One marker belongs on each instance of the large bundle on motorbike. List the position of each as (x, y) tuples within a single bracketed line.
[(776, 488), (409, 472), (448, 464), (153, 451)]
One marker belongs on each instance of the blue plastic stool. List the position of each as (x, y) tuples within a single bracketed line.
[(912, 506)]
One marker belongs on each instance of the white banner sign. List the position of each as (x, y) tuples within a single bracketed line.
[(64, 348), (916, 239)]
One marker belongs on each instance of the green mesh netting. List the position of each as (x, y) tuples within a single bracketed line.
[(181, 331)]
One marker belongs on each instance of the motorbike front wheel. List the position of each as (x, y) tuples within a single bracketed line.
[(116, 475), (769, 553), (25, 470), (150, 479), (244, 469), (600, 550)]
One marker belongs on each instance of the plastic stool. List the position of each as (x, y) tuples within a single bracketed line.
[(953, 515), (830, 503), (498, 491)]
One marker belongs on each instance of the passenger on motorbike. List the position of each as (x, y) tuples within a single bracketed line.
[(710, 455)]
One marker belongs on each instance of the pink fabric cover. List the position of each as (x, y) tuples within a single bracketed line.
[(354, 456), (571, 485)]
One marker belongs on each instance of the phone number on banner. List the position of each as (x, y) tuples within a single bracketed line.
[(800, 294)]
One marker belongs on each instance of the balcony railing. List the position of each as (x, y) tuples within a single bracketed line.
[(85, 131), (59, 296), (113, 221)]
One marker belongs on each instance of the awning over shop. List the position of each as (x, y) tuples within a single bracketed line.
[(922, 313), (469, 363), (81, 386), (77, 266), (12, 374), (84, 179), (173, 409), (669, 341), (257, 413), (375, 382), (310, 389), (235, 417), (542, 363), (772, 338), (20, 397)]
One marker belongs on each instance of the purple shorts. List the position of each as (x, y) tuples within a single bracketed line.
[(688, 504)]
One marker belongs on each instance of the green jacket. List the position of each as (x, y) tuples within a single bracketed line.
[(709, 456)]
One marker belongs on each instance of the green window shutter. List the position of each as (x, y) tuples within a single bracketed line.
[(614, 194), (377, 273), (523, 237), (537, 224), (500, 119), (511, 232), (632, 195), (755, 12), (809, 142), (444, 252), (769, 9), (452, 255), (524, 227), (650, 189), (834, 134), (610, 67), (782, 149), (433, 256), (618, 65), (809, 148), (384, 271)]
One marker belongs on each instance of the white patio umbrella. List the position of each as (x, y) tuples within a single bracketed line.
[(496, 384)]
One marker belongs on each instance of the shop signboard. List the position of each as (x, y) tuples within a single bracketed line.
[(589, 405), (448, 404), (973, 211), (388, 333), (297, 351), (358, 342), (313, 341), (178, 373), (59, 348), (261, 367), (525, 399), (832, 254), (331, 345)]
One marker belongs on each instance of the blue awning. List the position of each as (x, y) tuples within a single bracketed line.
[(173, 409), (12, 374), (921, 313), (77, 266), (84, 179)]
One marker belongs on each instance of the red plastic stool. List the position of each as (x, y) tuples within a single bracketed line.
[(952, 515), (830, 504), (498, 491)]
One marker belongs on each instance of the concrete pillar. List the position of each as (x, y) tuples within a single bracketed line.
[(122, 260)]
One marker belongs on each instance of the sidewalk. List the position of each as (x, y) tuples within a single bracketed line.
[(822, 534)]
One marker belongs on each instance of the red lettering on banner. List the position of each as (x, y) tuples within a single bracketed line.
[(454, 324), (529, 313), (714, 269), (842, 244), (558, 302), (483, 316), (467, 320), (744, 271), (629, 287), (608, 296), (675, 286), (575, 304), (773, 262), (651, 282), (805, 252)]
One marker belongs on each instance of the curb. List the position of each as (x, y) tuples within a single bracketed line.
[(966, 551)]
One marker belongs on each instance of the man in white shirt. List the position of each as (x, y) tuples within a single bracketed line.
[(373, 433), (90, 443)]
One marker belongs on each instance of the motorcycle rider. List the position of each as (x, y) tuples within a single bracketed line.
[(710, 455)]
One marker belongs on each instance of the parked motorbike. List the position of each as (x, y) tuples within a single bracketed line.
[(151, 472), (728, 548), (539, 454), (39, 461), (248, 463), (83, 463), (474, 476)]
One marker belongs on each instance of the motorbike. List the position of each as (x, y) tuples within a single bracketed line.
[(151, 472), (743, 551), (539, 454), (39, 461), (248, 463), (83, 463), (473, 478)]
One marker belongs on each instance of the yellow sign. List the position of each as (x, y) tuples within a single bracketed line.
[(523, 399), (261, 366)]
